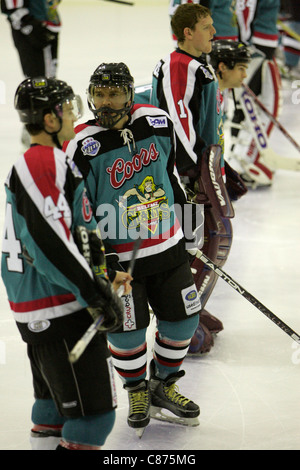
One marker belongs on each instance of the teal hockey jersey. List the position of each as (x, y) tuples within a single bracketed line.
[(47, 280), (134, 187), (186, 87)]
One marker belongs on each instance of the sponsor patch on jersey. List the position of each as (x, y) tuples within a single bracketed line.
[(191, 300), (157, 121), (38, 326), (90, 146)]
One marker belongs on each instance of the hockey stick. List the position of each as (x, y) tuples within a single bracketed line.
[(288, 30), (273, 119), (237, 287), (136, 247), (83, 342), (121, 1)]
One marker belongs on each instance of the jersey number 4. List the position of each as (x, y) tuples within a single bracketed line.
[(11, 245)]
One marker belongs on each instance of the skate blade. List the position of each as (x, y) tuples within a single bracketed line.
[(157, 413), (139, 432)]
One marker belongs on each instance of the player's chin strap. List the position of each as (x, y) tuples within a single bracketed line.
[(238, 288), (56, 141), (54, 135)]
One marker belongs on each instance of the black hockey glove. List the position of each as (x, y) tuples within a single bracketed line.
[(36, 31), (108, 303)]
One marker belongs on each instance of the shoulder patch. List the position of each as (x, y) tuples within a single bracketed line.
[(157, 121), (90, 146)]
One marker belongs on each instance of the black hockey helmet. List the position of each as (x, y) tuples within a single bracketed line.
[(35, 97), (111, 75), (230, 52)]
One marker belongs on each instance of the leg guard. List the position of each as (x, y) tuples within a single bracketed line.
[(249, 144), (211, 187), (218, 210), (217, 244)]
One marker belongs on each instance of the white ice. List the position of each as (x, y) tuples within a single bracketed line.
[(248, 386)]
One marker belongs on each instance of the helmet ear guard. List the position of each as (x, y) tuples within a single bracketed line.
[(111, 75)]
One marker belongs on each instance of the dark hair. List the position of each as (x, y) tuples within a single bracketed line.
[(186, 16)]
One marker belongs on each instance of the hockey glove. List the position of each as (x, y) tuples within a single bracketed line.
[(108, 302), (36, 31), (109, 305)]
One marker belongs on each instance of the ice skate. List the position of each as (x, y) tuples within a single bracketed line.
[(165, 396), (139, 406)]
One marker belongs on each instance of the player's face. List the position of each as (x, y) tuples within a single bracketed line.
[(111, 97), (233, 78), (107, 99), (200, 38), (70, 113)]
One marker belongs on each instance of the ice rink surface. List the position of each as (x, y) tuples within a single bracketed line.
[(248, 386)]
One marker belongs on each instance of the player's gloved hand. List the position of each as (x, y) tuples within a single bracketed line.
[(109, 305), (36, 31)]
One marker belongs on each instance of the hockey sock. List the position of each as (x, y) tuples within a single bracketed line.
[(46, 431), (171, 345), (87, 432), (129, 354)]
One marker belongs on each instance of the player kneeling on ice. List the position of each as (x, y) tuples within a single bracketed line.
[(54, 291), (127, 155)]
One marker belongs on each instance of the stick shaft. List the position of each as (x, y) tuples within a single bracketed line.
[(121, 1), (288, 30), (82, 344), (238, 288)]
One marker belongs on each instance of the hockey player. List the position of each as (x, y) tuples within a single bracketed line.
[(253, 23), (257, 27), (222, 12), (54, 291), (126, 154), (35, 27), (230, 60), (187, 88)]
